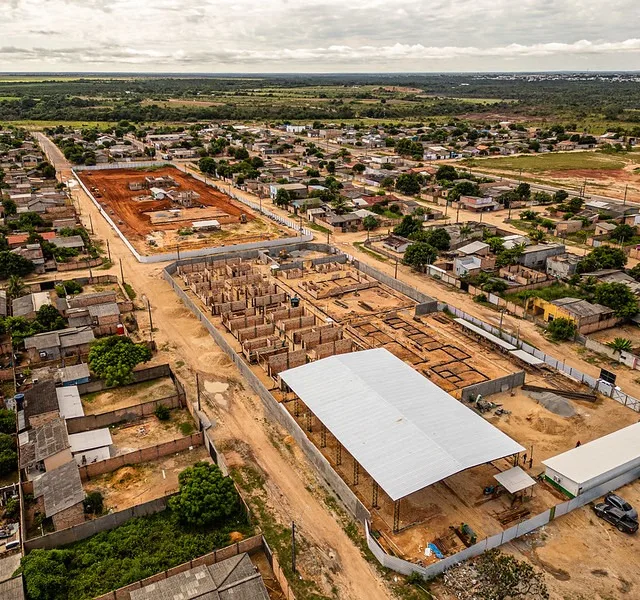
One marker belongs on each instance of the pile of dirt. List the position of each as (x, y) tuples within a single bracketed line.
[(556, 404)]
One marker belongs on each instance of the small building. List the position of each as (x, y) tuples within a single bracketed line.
[(54, 345), (27, 306), (467, 265), (592, 464), (235, 578), (74, 242), (59, 495), (74, 374), (3, 303), (44, 448), (604, 228), (562, 266), (91, 446), (535, 257), (478, 204), (396, 243), (587, 317), (296, 190), (69, 402), (479, 248), (40, 404), (563, 228)]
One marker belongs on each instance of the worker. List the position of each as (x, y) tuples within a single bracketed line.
[(578, 444)]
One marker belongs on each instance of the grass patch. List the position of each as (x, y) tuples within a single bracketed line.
[(373, 254), (317, 227), (555, 161), (248, 478), (106, 561), (551, 293), (129, 290), (106, 265), (186, 428)]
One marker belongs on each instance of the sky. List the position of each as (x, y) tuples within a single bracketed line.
[(280, 36)]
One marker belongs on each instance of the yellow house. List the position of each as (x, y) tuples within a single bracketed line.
[(587, 317)]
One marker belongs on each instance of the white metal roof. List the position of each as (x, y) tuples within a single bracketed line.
[(526, 357), (404, 430), (485, 334), (600, 456), (514, 480), (69, 402), (89, 440)]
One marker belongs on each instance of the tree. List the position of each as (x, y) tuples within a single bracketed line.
[(8, 454), (617, 296), (496, 286), (536, 235), (562, 329), (409, 184), (437, 237), (635, 272), (283, 197), (560, 196), (207, 165), (465, 230), (523, 190), (370, 222), (575, 205), (446, 173), (496, 244), (10, 207), (49, 317), (623, 232), (45, 574), (408, 226), (206, 496), (114, 358), (93, 503), (621, 344), (7, 421), (358, 168), (419, 254), (543, 198), (339, 205), (331, 167), (602, 257), (14, 264), (16, 287)]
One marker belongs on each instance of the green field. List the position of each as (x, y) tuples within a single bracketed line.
[(556, 161)]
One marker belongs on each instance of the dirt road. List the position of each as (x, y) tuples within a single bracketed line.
[(189, 348)]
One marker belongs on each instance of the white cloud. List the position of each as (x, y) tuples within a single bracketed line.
[(328, 35)]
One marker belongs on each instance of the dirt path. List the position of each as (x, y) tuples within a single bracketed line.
[(190, 348)]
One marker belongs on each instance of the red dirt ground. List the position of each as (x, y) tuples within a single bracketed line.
[(118, 199)]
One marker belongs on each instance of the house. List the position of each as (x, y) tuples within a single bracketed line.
[(587, 317), (296, 190), (478, 204), (234, 578), (565, 227), (40, 404), (28, 306), (54, 345), (91, 446), (59, 495), (69, 403), (604, 228), (562, 266), (74, 375), (396, 243), (342, 223), (44, 448), (478, 248), (615, 276), (3, 303), (535, 257), (522, 275), (467, 265), (74, 242)]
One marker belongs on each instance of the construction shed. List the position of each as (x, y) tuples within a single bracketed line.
[(401, 428), (589, 465)]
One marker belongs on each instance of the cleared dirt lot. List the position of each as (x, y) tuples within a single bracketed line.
[(133, 215), (150, 431), (130, 395), (136, 484)]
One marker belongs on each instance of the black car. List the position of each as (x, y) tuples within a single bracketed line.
[(622, 504), (616, 517)]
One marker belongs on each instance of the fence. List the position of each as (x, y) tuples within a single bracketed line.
[(274, 410), (518, 530), (139, 456), (626, 358), (494, 386), (129, 413), (89, 528), (305, 234), (250, 546), (597, 385), (138, 376)]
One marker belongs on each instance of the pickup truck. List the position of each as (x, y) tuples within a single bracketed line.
[(615, 516)]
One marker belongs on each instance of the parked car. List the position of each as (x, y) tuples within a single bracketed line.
[(616, 517), (622, 504)]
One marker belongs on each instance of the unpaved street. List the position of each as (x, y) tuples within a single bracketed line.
[(190, 348)]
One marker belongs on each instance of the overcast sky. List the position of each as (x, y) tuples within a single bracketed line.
[(323, 35)]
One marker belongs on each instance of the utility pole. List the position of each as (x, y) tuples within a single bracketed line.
[(395, 276), (178, 249), (626, 188), (458, 213), (121, 272), (150, 319), (293, 546), (91, 223), (198, 389), (108, 251)]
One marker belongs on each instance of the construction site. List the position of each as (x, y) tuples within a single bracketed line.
[(424, 417), (161, 208)]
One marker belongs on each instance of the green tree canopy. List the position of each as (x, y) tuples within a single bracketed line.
[(113, 358), (446, 173), (617, 296), (370, 222), (283, 197), (437, 237), (419, 254), (409, 184), (205, 497), (408, 226), (562, 329), (207, 165), (602, 257), (623, 232), (45, 574), (7, 421), (463, 188), (13, 264), (8, 454)]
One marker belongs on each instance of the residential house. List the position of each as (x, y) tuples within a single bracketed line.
[(54, 345), (478, 204), (28, 306), (587, 317), (562, 266), (535, 257), (467, 265), (296, 190), (40, 404), (396, 243), (59, 495), (477, 247), (563, 228), (604, 228)]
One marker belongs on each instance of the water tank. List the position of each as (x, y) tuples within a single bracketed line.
[(120, 329), (295, 302), (19, 400)]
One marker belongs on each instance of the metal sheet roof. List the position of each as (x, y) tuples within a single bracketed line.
[(404, 430), (485, 334), (89, 440), (600, 456), (526, 357), (514, 480), (69, 402)]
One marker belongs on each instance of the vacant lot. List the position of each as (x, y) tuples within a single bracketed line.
[(130, 395)]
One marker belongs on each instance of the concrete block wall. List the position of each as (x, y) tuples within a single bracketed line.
[(332, 348), (281, 314), (244, 322), (321, 335), (255, 332), (226, 307), (296, 323), (288, 360), (269, 299), (494, 386)]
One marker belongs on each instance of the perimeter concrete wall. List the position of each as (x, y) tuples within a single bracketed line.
[(494, 386)]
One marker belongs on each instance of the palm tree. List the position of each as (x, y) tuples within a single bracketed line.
[(621, 344), (465, 230), (16, 287)]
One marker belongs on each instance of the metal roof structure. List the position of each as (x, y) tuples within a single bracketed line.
[(69, 402), (61, 488), (514, 480), (485, 334), (89, 440), (530, 359), (599, 456), (404, 430)]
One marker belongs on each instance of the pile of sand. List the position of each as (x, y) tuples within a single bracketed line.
[(556, 404)]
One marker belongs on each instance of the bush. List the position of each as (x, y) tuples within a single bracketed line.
[(12, 509), (7, 421), (162, 412), (562, 329), (93, 503), (8, 454), (113, 358)]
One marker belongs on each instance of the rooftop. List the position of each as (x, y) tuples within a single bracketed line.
[(61, 488), (600, 456), (581, 308), (40, 399), (42, 442), (404, 430)]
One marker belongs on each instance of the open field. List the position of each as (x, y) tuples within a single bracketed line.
[(135, 212), (136, 484)]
